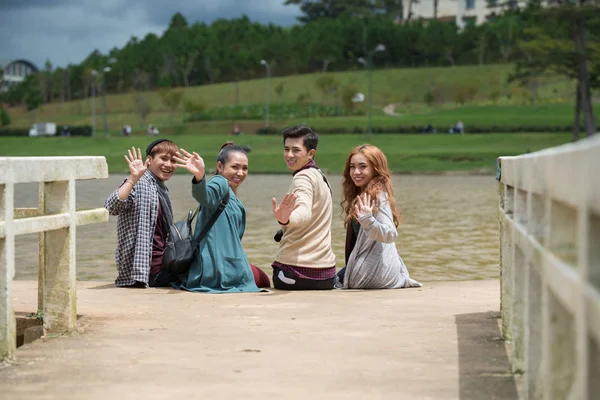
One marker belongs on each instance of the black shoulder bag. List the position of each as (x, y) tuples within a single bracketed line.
[(181, 246)]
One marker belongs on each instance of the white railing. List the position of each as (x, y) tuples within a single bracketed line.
[(550, 264), (55, 219)]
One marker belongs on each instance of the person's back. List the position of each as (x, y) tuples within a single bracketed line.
[(305, 260), (307, 238)]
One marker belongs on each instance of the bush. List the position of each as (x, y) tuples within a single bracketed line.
[(414, 129), (303, 98), (194, 106), (4, 117), (428, 98), (14, 132), (348, 93), (84, 130), (276, 111)]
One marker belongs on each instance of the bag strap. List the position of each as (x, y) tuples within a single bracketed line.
[(212, 219), (326, 181)]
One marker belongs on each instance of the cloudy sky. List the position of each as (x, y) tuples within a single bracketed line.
[(66, 31)]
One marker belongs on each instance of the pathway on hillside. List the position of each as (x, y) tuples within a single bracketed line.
[(437, 342)]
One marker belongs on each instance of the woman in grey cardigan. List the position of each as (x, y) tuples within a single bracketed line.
[(372, 261)]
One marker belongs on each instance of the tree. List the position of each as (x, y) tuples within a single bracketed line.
[(316, 9), (328, 85), (410, 6), (172, 99), (279, 88), (559, 45), (142, 107), (178, 21), (46, 82), (32, 93), (505, 30)]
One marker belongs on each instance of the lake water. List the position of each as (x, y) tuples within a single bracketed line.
[(449, 227)]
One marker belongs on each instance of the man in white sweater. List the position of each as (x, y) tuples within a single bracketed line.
[(305, 260)]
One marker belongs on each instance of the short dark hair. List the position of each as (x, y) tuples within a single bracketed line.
[(311, 139), (161, 146), (226, 150)]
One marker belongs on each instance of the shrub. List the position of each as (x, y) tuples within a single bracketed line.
[(459, 95), (276, 111), (4, 117), (84, 130), (349, 90), (414, 129), (428, 98), (194, 106), (303, 98), (279, 89)]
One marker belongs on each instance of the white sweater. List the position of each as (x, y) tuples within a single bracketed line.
[(374, 262), (306, 240)]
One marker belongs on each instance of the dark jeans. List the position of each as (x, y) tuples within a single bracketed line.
[(341, 274), (162, 279), (301, 284)]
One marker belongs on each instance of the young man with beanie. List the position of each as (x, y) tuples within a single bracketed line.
[(305, 260), (144, 212)]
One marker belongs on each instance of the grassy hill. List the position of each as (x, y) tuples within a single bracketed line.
[(407, 87)]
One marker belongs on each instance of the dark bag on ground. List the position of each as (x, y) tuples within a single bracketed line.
[(181, 246)]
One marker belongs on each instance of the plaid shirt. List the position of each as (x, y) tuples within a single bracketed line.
[(135, 227)]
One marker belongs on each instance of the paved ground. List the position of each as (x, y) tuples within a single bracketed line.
[(437, 342)]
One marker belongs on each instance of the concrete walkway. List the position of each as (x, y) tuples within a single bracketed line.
[(437, 342)]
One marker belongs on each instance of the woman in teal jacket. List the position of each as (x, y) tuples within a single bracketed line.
[(221, 265)]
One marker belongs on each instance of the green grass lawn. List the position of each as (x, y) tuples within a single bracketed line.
[(483, 116), (405, 153)]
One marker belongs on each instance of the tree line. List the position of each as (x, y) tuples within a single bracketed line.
[(229, 50)]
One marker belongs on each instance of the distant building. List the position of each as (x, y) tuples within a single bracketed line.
[(15, 72), (460, 11)]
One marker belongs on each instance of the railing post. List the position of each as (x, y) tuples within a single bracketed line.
[(58, 256), (8, 339), (41, 280)]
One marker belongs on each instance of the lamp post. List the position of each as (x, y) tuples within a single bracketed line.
[(106, 70), (368, 63), (266, 64), (94, 73)]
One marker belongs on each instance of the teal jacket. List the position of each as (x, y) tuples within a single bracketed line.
[(221, 265)]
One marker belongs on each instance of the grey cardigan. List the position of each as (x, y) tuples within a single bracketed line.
[(374, 262)]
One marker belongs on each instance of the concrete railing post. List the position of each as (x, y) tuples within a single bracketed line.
[(55, 220), (550, 261), (8, 329), (59, 260)]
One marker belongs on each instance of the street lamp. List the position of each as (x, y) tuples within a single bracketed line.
[(106, 70), (266, 64), (94, 73), (368, 63)]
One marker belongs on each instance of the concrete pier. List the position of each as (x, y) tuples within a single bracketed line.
[(441, 341)]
